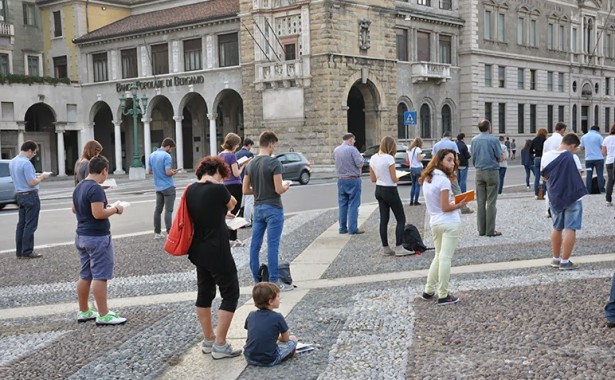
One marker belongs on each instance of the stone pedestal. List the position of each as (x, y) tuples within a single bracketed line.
[(136, 173)]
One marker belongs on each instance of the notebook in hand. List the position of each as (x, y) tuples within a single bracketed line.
[(236, 223), (468, 196)]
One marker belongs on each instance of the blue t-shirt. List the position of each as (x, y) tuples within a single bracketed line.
[(264, 327), (22, 171), (592, 143), (87, 192), (159, 162)]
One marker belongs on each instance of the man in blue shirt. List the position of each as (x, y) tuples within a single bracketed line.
[(445, 143), (26, 183), (486, 157), (591, 143), (348, 164), (160, 166)]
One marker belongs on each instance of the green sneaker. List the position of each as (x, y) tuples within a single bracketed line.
[(111, 318), (89, 315)]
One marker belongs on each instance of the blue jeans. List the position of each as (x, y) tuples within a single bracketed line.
[(609, 309), (349, 200), (271, 219), (502, 175), (29, 209), (415, 191), (537, 176), (285, 349), (528, 169), (462, 178), (164, 198), (590, 165)]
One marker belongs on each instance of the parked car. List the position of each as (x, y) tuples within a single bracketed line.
[(373, 150), (296, 167), (7, 189)]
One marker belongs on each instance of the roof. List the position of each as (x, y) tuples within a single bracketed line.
[(163, 19)]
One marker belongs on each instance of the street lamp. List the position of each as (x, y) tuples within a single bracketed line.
[(136, 168)]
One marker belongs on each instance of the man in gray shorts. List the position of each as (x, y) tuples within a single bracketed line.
[(93, 242)]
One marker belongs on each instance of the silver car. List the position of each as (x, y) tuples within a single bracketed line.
[(7, 190)]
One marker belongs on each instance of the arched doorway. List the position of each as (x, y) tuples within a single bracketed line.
[(446, 119), (195, 126), (425, 117), (102, 117), (229, 111), (162, 124), (363, 114), (402, 130), (40, 127)]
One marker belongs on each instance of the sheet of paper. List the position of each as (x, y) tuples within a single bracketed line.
[(109, 183), (304, 347), (287, 182), (124, 204), (401, 173), (242, 160), (236, 223)]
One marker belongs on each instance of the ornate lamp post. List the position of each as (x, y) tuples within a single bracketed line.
[(137, 171)]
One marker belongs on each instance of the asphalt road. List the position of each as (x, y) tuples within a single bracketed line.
[(57, 222)]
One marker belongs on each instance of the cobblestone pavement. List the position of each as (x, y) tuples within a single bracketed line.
[(517, 318)]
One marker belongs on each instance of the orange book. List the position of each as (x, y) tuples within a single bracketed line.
[(469, 196)]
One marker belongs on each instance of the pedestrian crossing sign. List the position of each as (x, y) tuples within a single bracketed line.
[(410, 118)]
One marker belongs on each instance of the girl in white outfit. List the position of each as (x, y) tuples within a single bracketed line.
[(445, 222)]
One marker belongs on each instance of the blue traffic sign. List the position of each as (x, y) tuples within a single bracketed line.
[(410, 118)]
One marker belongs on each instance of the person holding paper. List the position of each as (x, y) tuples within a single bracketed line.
[(94, 244), (264, 179), (91, 149), (382, 172), (160, 166), (26, 183), (233, 182), (444, 220), (208, 202), (247, 201)]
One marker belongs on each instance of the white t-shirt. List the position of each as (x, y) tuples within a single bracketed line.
[(431, 191), (413, 157), (609, 144), (552, 142), (504, 164), (380, 164), (551, 155)]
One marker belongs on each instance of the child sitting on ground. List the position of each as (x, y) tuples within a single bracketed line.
[(269, 342)]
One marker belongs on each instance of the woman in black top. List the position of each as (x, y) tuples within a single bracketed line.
[(527, 161), (536, 151), (208, 202)]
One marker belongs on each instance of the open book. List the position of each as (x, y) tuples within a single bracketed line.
[(401, 173), (236, 223), (304, 347), (109, 183), (120, 203), (242, 160), (468, 196)]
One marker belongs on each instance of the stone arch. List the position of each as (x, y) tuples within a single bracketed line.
[(228, 107), (193, 109), (101, 118), (40, 126), (404, 104), (363, 106), (426, 125)]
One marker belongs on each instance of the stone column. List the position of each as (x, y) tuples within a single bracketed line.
[(179, 141), (147, 139), (212, 133), (21, 129), (117, 134), (61, 157)]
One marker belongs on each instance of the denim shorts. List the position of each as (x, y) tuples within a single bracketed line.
[(570, 218), (96, 256), (285, 349)]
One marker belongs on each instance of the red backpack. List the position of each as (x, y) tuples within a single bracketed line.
[(180, 237)]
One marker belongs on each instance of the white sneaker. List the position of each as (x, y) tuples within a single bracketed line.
[(387, 251), (401, 251), (158, 236), (226, 351), (111, 318)]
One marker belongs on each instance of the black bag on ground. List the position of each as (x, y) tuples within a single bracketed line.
[(411, 240), (283, 270)]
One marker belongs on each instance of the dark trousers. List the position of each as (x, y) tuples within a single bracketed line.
[(29, 209), (598, 167), (166, 199), (609, 182), (388, 199), (237, 192)]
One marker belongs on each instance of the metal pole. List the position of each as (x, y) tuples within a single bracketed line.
[(136, 159)]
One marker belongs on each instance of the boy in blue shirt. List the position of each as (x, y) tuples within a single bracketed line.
[(269, 342)]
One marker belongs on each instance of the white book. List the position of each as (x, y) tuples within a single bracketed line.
[(304, 347), (236, 223), (124, 204), (401, 173), (242, 160), (109, 183)]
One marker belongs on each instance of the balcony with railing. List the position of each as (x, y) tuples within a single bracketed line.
[(430, 71), (280, 74), (6, 29)]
